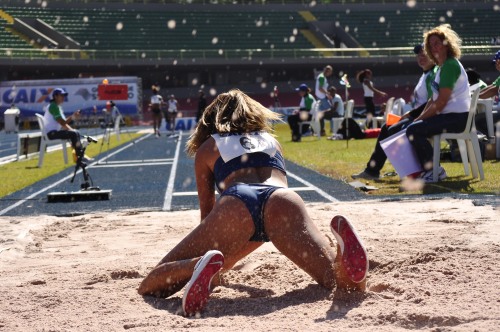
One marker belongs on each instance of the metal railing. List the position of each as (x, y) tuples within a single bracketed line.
[(248, 2), (242, 54)]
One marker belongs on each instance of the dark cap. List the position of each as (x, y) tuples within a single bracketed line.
[(302, 87), (59, 91), (496, 57), (418, 48)]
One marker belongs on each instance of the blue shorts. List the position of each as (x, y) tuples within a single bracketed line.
[(255, 197), (324, 104)]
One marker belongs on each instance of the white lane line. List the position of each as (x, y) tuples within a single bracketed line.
[(302, 188), (120, 150), (7, 209), (132, 165), (7, 160), (185, 193), (9, 148), (167, 202), (137, 161), (316, 189)]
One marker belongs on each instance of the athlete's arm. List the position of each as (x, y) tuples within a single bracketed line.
[(370, 86), (204, 181)]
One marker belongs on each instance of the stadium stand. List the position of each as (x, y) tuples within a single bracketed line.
[(8, 38), (245, 43), (119, 29), (152, 30), (391, 28)]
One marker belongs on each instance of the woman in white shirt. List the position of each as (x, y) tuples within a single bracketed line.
[(171, 113), (449, 108), (155, 106), (369, 91)]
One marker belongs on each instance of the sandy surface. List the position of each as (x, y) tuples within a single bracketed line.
[(434, 266)]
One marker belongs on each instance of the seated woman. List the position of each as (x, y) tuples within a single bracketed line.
[(303, 114), (235, 152), (449, 108), (420, 96)]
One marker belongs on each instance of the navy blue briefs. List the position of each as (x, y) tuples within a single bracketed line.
[(255, 197)]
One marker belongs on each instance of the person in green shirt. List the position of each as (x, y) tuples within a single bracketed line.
[(321, 89), (57, 125), (304, 112), (420, 96), (492, 90), (448, 109)]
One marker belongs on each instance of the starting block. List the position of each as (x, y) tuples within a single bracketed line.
[(90, 194)]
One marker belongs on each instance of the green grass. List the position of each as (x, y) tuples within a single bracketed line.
[(340, 159), (336, 159), (20, 174)]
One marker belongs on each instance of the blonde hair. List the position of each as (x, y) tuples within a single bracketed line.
[(231, 112), (449, 38)]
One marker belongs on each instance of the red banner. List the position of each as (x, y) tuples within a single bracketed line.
[(112, 92)]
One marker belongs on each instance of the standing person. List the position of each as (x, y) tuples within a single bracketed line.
[(420, 96), (365, 78), (449, 108), (155, 106), (304, 112), (56, 124), (235, 152), (171, 113), (202, 104), (112, 113), (321, 89)]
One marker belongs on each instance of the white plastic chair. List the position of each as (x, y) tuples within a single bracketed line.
[(45, 142), (397, 107), (486, 106), (388, 109), (314, 122), (348, 110), (468, 144)]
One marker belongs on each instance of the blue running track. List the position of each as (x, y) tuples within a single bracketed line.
[(152, 174)]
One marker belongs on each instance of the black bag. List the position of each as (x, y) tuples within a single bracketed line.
[(350, 129)]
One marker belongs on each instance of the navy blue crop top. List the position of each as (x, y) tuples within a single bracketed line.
[(255, 159)]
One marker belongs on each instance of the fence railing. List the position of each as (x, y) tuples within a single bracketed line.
[(247, 2), (242, 54)]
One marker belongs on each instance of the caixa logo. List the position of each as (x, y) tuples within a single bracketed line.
[(27, 95)]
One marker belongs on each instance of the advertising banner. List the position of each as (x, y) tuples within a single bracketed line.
[(32, 96)]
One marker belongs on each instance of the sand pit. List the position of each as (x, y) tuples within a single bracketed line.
[(434, 266)]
